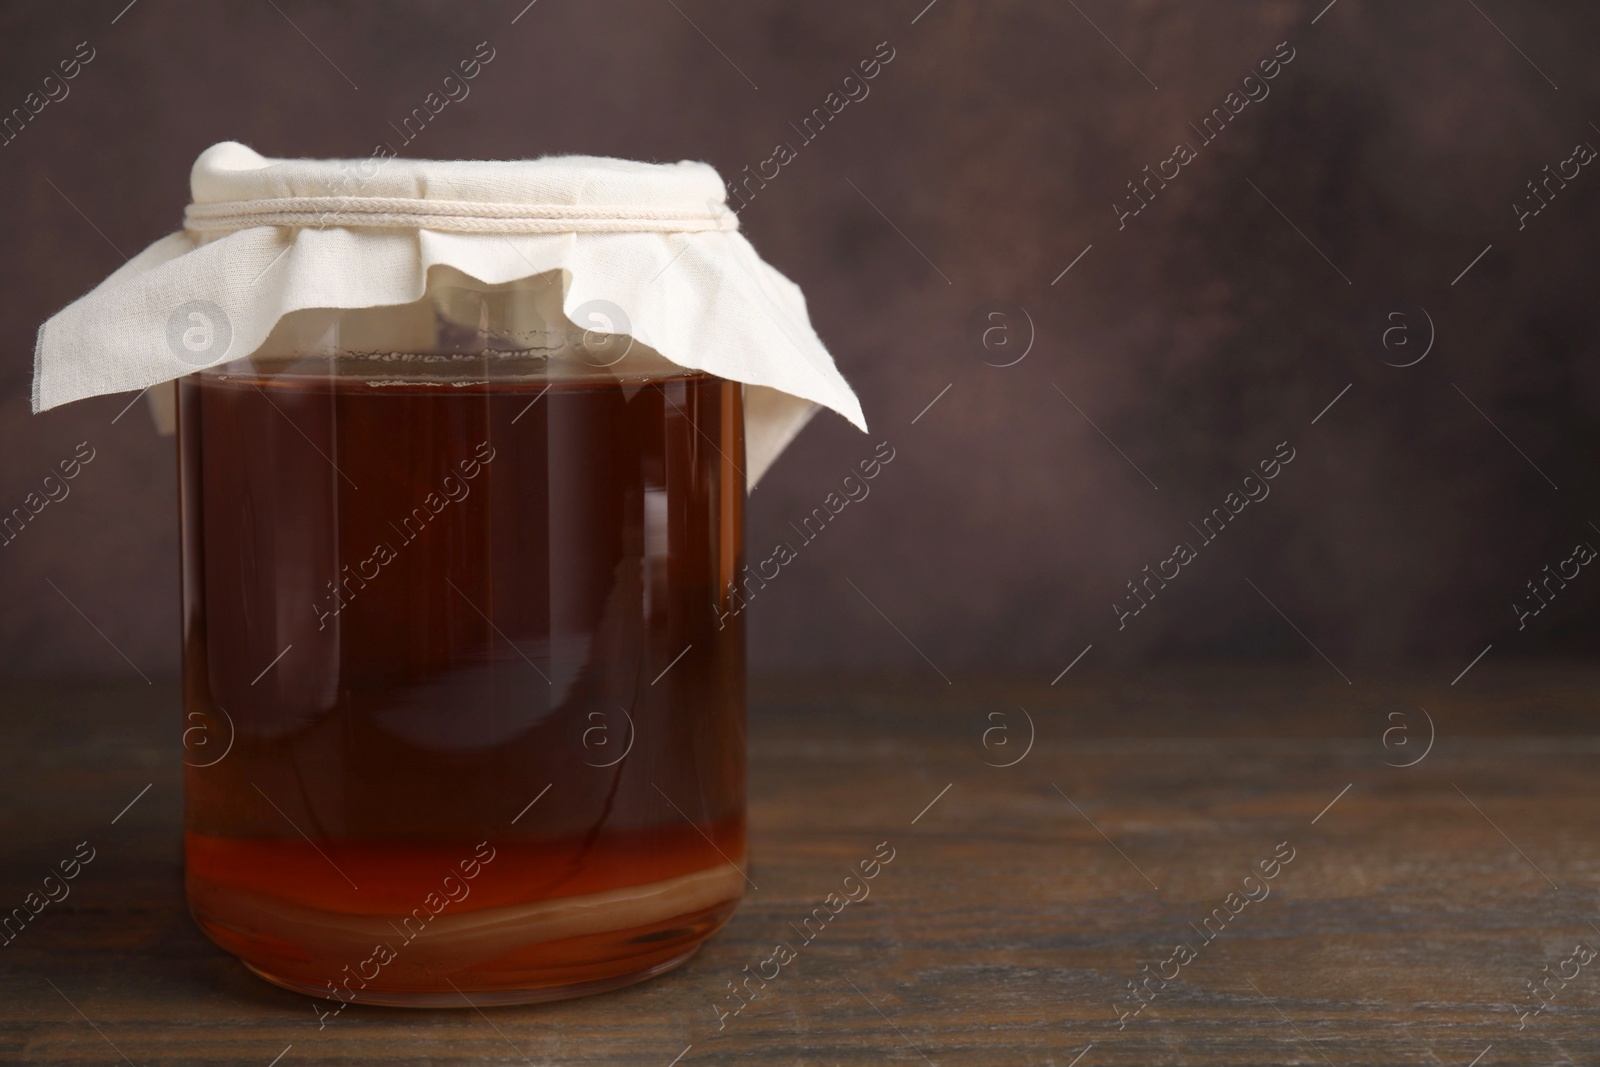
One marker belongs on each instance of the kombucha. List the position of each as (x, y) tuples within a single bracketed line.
[(464, 704)]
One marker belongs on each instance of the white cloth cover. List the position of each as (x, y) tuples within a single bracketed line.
[(266, 237)]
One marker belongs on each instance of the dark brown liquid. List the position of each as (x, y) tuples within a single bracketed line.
[(412, 608)]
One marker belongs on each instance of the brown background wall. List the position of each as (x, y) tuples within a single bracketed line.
[(1197, 338)]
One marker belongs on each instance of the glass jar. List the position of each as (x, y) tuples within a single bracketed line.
[(463, 685)]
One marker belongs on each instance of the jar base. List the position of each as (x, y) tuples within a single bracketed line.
[(483, 998), (544, 949)]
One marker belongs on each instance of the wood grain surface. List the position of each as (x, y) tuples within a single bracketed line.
[(1419, 903)]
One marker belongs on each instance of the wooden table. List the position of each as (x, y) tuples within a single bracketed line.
[(1020, 903)]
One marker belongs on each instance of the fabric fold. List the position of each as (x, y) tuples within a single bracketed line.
[(271, 237)]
